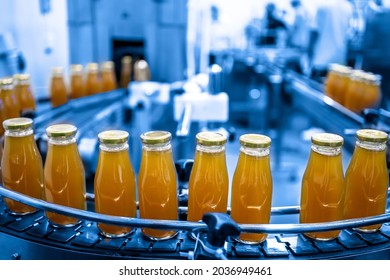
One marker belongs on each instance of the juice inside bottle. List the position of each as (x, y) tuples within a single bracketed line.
[(126, 71), (22, 169), (64, 173), (355, 91), (209, 182), (108, 76), (2, 114), (58, 91), (10, 100), (367, 178), (77, 85), (93, 85), (141, 71), (157, 182), (252, 185), (372, 92), (115, 181), (24, 92), (322, 193)]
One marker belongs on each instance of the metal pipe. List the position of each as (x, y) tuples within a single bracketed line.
[(184, 124), (199, 226)]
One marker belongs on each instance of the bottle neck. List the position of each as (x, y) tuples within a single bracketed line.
[(325, 150), (114, 147), (157, 147), (255, 152), (62, 141), (210, 149), (19, 132), (372, 146)]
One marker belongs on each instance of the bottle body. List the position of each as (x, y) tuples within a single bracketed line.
[(58, 91), (114, 182), (322, 193), (24, 93), (157, 183), (126, 71), (92, 80), (209, 182), (367, 180), (22, 168), (252, 186), (10, 100), (108, 76), (77, 86), (64, 174)]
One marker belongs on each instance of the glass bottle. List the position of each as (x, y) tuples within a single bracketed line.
[(126, 71), (2, 112), (372, 92), (209, 182), (93, 85), (157, 182), (115, 181), (331, 80), (24, 92), (64, 173), (108, 76), (77, 85), (252, 185), (367, 177), (141, 70), (10, 100), (355, 91), (58, 91), (22, 169), (322, 193)]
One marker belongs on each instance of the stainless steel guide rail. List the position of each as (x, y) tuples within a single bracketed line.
[(285, 241)]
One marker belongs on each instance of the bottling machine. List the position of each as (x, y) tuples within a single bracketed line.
[(33, 237)]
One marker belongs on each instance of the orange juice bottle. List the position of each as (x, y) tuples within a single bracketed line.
[(126, 71), (331, 80), (114, 181), (372, 93), (141, 71), (252, 185), (58, 91), (355, 91), (77, 86), (64, 173), (24, 92), (322, 193), (367, 178), (22, 169), (209, 182), (93, 85), (343, 82), (10, 100), (157, 182), (108, 76)]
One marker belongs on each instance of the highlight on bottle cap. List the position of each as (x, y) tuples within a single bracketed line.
[(255, 141), (6, 82), (127, 59), (92, 67), (61, 130), (107, 65), (21, 79), (209, 138), (156, 137), (371, 135), (327, 140), (56, 71), (76, 68), (17, 123), (113, 137)]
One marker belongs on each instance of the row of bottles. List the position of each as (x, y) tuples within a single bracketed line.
[(16, 97), (94, 79), (353, 88), (327, 195)]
